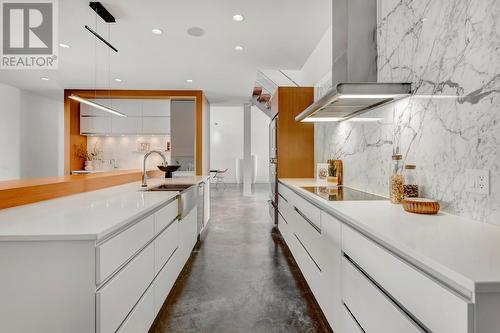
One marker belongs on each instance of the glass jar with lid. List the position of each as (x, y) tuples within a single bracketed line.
[(396, 180), (410, 181)]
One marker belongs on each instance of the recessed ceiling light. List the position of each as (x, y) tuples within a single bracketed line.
[(157, 31), (44, 78), (66, 46), (196, 31), (239, 48), (238, 17), (189, 81), (118, 80)]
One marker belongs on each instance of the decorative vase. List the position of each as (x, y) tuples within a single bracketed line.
[(89, 166)]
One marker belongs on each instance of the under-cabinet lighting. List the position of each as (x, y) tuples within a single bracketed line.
[(96, 105), (362, 96), (334, 119)]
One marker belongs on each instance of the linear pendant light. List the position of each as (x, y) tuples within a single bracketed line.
[(96, 105)]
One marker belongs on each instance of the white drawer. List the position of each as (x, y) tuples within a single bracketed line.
[(349, 325), (165, 245), (164, 216), (115, 300), (286, 210), (287, 194), (166, 279), (143, 315), (307, 265), (284, 228), (115, 251), (309, 213), (438, 308), (371, 308)]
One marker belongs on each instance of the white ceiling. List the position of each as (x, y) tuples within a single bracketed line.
[(277, 34)]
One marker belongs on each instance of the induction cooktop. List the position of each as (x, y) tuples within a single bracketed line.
[(341, 193)]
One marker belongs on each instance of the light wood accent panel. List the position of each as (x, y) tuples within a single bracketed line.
[(25, 191), (73, 139), (295, 139), (201, 109)]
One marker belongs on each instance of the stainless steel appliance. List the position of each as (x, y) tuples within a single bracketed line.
[(273, 170)]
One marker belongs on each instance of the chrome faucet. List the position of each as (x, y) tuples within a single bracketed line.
[(144, 174)]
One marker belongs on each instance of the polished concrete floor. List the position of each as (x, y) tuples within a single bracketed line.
[(241, 277)]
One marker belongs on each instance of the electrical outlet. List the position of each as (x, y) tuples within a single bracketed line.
[(477, 181)]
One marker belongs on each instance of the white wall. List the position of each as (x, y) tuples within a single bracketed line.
[(319, 63), (42, 136), (260, 143), (226, 140), (10, 127), (31, 134)]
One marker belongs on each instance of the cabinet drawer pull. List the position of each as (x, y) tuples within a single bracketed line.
[(307, 220), (312, 259), (415, 321), (352, 317), (282, 197)]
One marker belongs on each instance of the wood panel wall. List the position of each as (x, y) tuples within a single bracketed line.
[(295, 140), (73, 139)]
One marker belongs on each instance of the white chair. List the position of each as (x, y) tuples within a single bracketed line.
[(219, 177)]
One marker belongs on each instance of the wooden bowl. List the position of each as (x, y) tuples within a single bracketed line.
[(421, 205)]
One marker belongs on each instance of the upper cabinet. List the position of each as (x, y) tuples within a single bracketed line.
[(155, 108), (142, 117)]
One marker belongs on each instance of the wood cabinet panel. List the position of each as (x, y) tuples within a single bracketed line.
[(295, 140)]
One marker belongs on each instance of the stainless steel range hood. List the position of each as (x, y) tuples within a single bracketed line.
[(349, 100), (354, 59)]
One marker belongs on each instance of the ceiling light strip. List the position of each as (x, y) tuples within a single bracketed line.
[(96, 105), (102, 39)]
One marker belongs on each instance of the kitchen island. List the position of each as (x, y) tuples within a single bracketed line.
[(369, 259), (99, 261)]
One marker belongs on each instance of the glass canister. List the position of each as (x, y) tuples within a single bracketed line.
[(410, 185), (396, 180)]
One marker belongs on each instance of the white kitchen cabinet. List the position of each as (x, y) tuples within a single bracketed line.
[(87, 110), (118, 296), (372, 309), (142, 117), (166, 244), (143, 315), (349, 324), (156, 125), (114, 252), (316, 247), (116, 283), (188, 229), (415, 291), (155, 108), (95, 125), (166, 215), (330, 257), (129, 107), (166, 279), (126, 125)]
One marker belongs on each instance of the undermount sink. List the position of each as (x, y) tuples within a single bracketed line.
[(171, 187)]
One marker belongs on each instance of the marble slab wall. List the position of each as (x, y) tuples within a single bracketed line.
[(450, 51)]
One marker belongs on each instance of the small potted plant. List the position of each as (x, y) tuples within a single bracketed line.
[(91, 157)]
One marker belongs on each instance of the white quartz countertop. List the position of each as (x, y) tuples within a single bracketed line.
[(86, 216), (461, 253)]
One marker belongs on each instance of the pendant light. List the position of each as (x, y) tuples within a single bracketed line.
[(108, 18)]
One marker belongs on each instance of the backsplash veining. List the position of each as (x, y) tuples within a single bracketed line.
[(450, 51)]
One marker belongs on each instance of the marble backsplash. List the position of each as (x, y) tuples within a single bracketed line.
[(450, 51)]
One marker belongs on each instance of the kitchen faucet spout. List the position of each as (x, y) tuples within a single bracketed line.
[(144, 174)]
